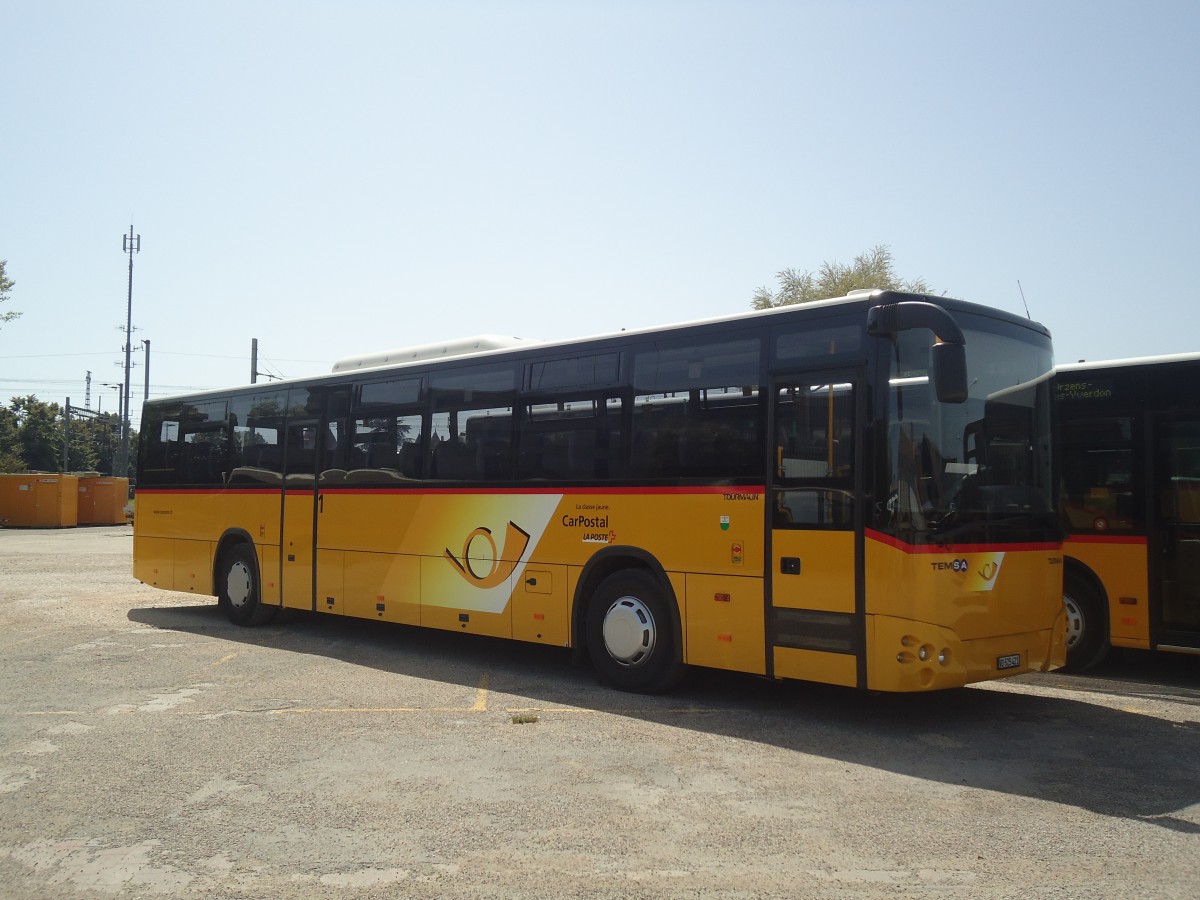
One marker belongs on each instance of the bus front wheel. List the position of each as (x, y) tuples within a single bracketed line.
[(237, 588), (1087, 626), (631, 635)]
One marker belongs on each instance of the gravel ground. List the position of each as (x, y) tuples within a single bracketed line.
[(149, 748)]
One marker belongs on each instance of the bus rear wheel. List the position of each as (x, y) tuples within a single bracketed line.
[(237, 588), (1087, 626), (631, 634)]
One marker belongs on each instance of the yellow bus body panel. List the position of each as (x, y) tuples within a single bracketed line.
[(1121, 565), (816, 665), (540, 611), (827, 574), (1004, 608), (154, 561), (383, 586), (508, 564), (185, 526), (724, 623), (193, 567)]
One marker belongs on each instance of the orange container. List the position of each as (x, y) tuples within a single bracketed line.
[(102, 500), (39, 501)]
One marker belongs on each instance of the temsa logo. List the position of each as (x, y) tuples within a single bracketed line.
[(481, 564)]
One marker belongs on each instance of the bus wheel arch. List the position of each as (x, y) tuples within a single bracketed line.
[(627, 619), (237, 581), (1086, 606)]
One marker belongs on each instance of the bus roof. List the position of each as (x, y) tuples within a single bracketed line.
[(1088, 365), (491, 343), (487, 345), (443, 350)]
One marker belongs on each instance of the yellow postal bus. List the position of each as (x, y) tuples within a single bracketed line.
[(1130, 448), (855, 491)]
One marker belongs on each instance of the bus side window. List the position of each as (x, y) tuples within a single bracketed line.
[(160, 444), (577, 439), (1097, 475)]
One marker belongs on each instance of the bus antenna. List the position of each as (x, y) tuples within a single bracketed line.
[(1022, 290)]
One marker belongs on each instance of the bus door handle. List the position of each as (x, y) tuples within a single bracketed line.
[(1166, 542), (789, 565)]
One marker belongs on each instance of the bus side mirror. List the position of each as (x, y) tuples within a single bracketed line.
[(950, 372)]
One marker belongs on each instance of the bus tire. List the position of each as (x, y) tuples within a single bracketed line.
[(1087, 625), (631, 633), (238, 588)]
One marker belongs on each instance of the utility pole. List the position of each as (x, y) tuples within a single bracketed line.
[(146, 393), (86, 415), (254, 373), (130, 244)]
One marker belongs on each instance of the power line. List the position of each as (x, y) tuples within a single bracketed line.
[(323, 362)]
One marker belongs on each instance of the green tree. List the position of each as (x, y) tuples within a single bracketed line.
[(872, 269), (39, 433), (6, 286), (83, 456), (104, 436), (31, 439), (10, 442)]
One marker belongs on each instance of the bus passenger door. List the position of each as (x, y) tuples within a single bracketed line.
[(814, 625), (299, 512), (315, 456), (1175, 537)]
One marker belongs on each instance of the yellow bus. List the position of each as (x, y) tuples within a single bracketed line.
[(856, 491), (1129, 440)]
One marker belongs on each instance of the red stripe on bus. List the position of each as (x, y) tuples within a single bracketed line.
[(897, 544), (1107, 539), (743, 491)]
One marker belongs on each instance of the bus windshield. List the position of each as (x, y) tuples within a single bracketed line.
[(978, 471)]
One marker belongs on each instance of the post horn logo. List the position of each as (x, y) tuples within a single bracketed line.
[(490, 569), (989, 571)]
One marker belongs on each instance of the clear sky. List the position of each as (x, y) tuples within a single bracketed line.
[(342, 177)]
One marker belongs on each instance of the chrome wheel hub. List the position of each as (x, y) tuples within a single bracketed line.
[(238, 585), (629, 631), (1075, 622)]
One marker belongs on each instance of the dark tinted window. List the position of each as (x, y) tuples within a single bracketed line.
[(808, 343), (472, 384), (159, 444), (1098, 475), (205, 443), (471, 426), (576, 372), (713, 433), (387, 447), (682, 367), (256, 453), (472, 444), (578, 439), (697, 412), (397, 392)]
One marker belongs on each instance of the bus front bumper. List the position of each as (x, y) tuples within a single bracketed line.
[(915, 656)]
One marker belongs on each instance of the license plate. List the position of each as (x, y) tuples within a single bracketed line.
[(1011, 661)]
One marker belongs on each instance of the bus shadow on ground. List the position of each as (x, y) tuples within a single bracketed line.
[(1121, 762)]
